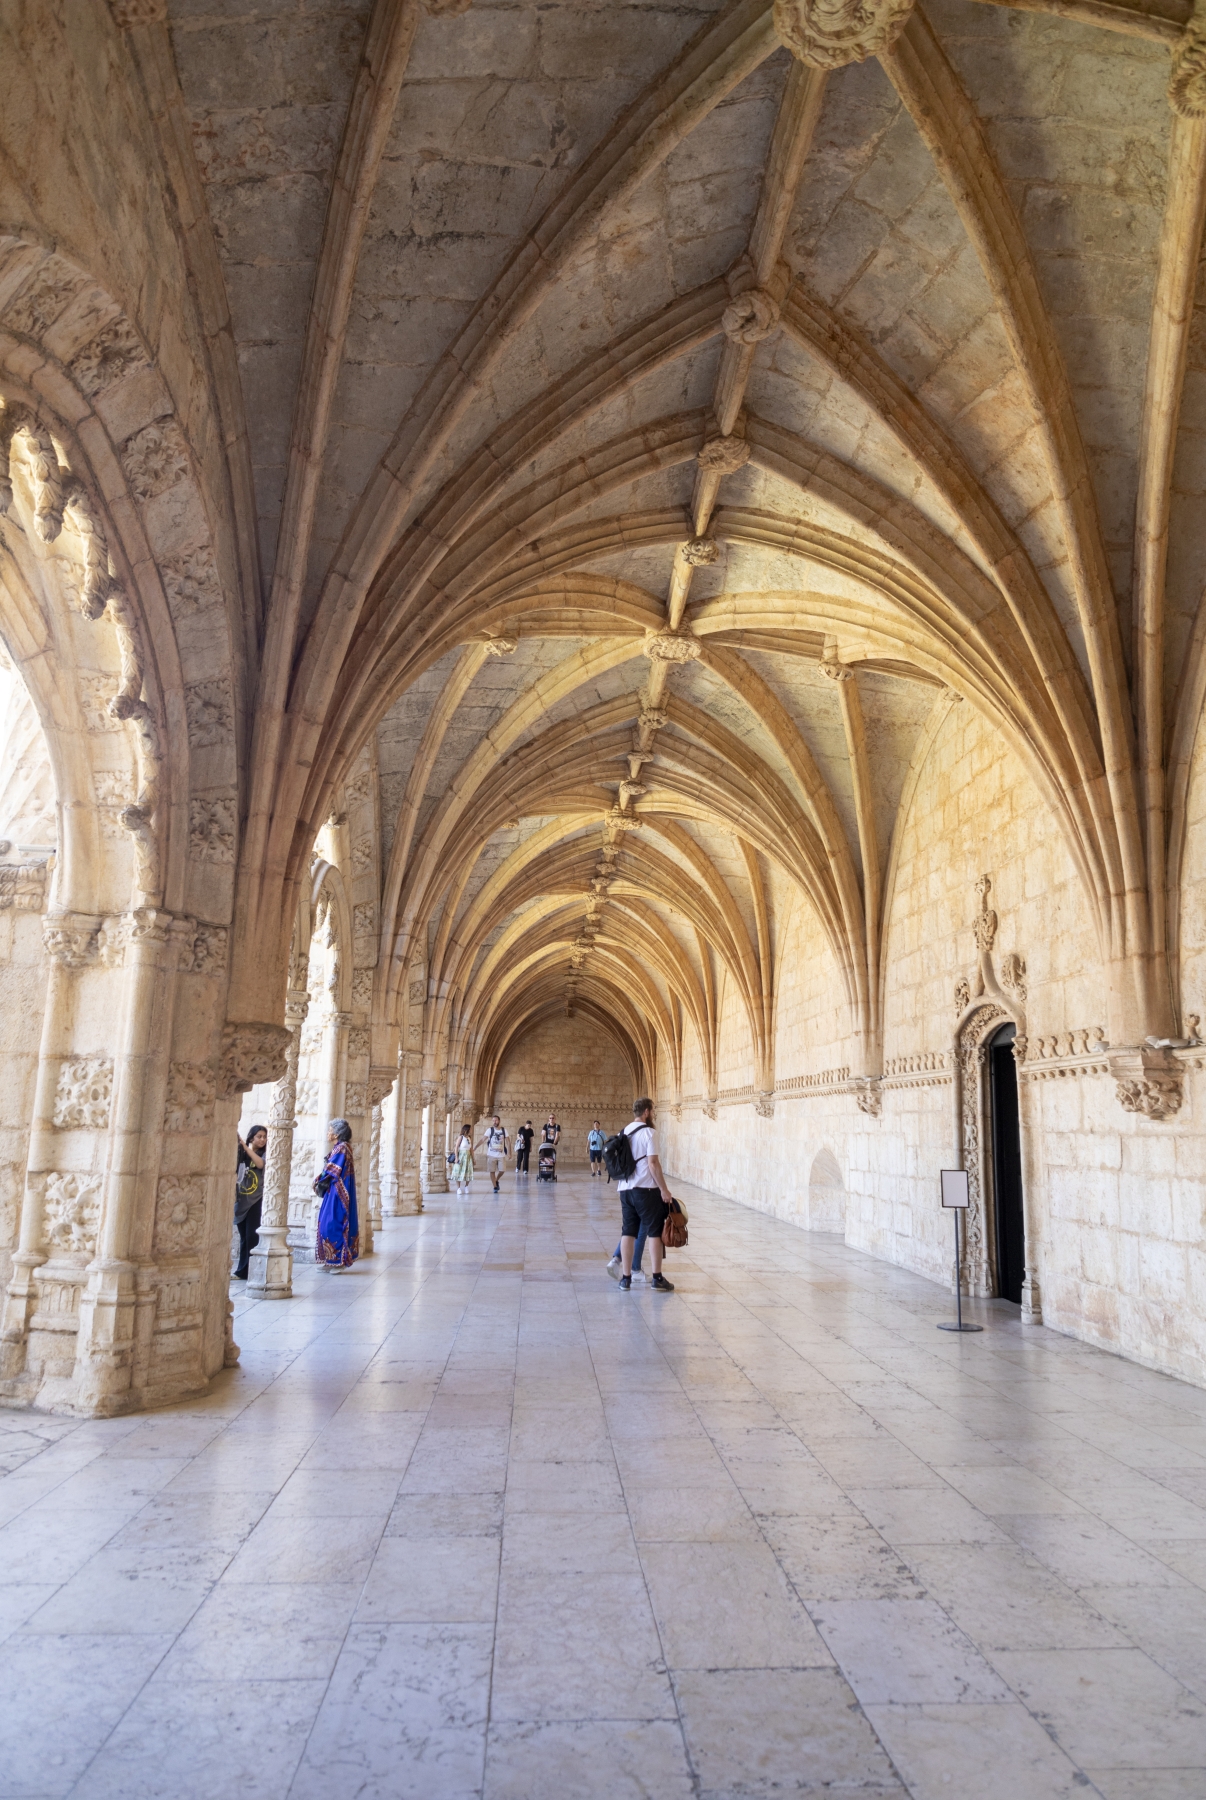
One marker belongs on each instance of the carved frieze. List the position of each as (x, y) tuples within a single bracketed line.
[(155, 459), (84, 1093), (71, 1213), (43, 298), (23, 885), (190, 581), (104, 359), (828, 34), (72, 939), (209, 950), (209, 713)]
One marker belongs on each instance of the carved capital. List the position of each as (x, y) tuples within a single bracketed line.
[(72, 939), (764, 1105), (827, 34), (297, 1005), (251, 1053), (868, 1097), (1147, 1082), (380, 1083), (751, 317)]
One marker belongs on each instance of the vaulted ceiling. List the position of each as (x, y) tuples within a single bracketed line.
[(655, 416)]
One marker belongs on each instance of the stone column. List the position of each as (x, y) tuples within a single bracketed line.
[(408, 1152), (105, 1347), (72, 942), (375, 1168), (271, 1266), (435, 1173)]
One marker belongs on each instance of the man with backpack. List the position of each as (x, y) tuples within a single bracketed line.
[(496, 1150), (632, 1162)]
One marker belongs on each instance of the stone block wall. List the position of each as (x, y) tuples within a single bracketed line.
[(569, 1067)]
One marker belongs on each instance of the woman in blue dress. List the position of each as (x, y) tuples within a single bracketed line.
[(338, 1233)]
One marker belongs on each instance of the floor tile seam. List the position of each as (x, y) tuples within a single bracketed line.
[(133, 1701), (498, 1586), (692, 1771)]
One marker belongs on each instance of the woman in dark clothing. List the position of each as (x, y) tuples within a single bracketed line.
[(249, 1195)]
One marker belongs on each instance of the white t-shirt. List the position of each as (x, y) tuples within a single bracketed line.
[(644, 1145), (496, 1141)]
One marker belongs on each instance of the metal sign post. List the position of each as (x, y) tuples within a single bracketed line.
[(956, 1197)]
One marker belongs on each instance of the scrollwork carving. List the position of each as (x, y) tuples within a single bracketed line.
[(179, 1213), (71, 1213), (828, 34), (190, 1098), (251, 1053), (84, 1094)]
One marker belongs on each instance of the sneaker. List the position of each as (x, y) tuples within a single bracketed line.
[(625, 1282), (638, 1277), (660, 1282), (615, 1268), (496, 1187)]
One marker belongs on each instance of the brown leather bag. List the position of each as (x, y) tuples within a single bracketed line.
[(674, 1231)]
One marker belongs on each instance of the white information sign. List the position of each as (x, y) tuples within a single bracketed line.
[(954, 1187)]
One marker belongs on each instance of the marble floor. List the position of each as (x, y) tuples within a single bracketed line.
[(470, 1521)]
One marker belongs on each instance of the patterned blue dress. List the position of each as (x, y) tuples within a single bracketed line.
[(338, 1233)]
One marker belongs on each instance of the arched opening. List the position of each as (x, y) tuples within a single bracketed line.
[(1009, 1223), (826, 1194), (571, 1067)]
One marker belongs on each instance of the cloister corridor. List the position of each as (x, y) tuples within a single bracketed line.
[(467, 1520)]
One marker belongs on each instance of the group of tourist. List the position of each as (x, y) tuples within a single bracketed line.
[(632, 1155)]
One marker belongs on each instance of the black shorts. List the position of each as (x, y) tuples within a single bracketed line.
[(642, 1206)]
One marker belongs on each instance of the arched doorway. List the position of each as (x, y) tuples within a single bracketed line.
[(1008, 1218), (826, 1194)]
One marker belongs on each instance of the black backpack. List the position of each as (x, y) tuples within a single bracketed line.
[(618, 1158)]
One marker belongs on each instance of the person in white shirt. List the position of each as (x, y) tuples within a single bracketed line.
[(644, 1197), (497, 1150)]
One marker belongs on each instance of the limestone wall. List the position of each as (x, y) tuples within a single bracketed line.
[(565, 1066), (1118, 1198)]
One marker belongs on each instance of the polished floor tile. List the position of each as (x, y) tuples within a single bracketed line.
[(470, 1524)]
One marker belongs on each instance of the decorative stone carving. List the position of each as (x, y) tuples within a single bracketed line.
[(359, 786), (1147, 1082), (209, 712), (962, 995), (868, 1097), (23, 886), (751, 317), (191, 581), (447, 9), (155, 459), (251, 1053), (191, 1092), (127, 14), (836, 671), (380, 1083), (710, 1110), (764, 1105), (112, 353), (209, 950), (211, 828), (358, 1041), (724, 455), (499, 646), (1187, 80), (355, 1099), (72, 939), (672, 647), (1013, 974), (84, 1094), (364, 919), (95, 693), (362, 855), (71, 1213), (631, 790), (827, 34), (985, 924), (179, 1214), (362, 989), (971, 1051), (307, 1094), (44, 298), (700, 552)]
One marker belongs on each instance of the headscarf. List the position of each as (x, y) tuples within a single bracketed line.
[(342, 1130)]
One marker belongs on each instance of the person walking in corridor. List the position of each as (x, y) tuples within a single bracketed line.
[(497, 1150), (644, 1196), (462, 1164), (249, 1195), (523, 1147)]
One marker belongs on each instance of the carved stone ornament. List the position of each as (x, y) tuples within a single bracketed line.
[(631, 790), (700, 552), (208, 950), (71, 1213), (962, 995), (1013, 974), (622, 821), (828, 34), (1187, 81), (209, 713), (251, 1053), (84, 1094), (447, 9), (211, 828), (836, 671), (671, 647), (129, 13), (1147, 1082), (764, 1105), (155, 459), (23, 885), (191, 1092), (179, 1214), (724, 455), (711, 1110), (358, 1041), (985, 923), (72, 939), (380, 1083), (499, 646), (108, 356), (868, 1097), (751, 317)]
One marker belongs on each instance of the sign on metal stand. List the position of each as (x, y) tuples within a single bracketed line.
[(956, 1197)]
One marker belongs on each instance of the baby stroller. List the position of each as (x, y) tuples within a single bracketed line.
[(546, 1163)]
